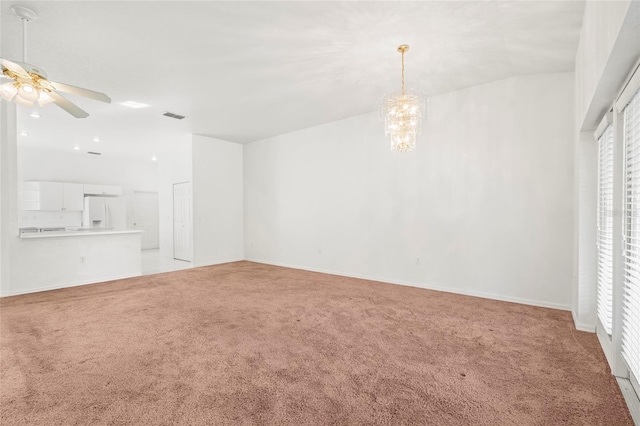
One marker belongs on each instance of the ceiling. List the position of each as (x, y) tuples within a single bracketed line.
[(244, 71)]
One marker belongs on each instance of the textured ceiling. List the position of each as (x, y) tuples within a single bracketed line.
[(244, 71)]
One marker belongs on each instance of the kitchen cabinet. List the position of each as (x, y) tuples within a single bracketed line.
[(105, 190), (73, 196), (52, 196)]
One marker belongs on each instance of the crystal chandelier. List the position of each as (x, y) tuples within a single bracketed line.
[(403, 114)]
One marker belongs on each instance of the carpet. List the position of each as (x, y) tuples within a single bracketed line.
[(245, 343)]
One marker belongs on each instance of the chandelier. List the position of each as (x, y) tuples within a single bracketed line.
[(403, 114)]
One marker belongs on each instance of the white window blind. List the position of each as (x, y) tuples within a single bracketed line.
[(605, 228), (631, 299)]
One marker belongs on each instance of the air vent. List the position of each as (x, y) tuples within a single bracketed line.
[(94, 153), (172, 115)]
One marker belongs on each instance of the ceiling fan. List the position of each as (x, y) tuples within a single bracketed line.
[(30, 85)]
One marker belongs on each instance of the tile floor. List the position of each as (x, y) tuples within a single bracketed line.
[(153, 263)]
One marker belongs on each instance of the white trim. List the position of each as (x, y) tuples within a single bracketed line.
[(605, 343), (426, 286), (630, 89), (75, 284), (582, 326), (604, 123), (631, 398)]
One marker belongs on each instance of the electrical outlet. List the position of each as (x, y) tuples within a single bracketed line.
[(417, 260), (81, 259), (320, 251)]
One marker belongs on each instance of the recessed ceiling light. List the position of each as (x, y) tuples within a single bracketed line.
[(23, 133), (154, 158), (96, 139), (76, 147), (134, 104), (35, 115)]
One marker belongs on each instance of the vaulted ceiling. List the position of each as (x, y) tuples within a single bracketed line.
[(244, 71)]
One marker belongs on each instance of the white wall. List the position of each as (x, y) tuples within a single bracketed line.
[(214, 168), (36, 164), (8, 191), (217, 202), (174, 166), (584, 297), (484, 204)]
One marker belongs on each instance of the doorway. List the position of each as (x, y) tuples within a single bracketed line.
[(182, 221), (146, 218)]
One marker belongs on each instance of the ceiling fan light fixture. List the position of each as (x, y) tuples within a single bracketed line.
[(22, 101), (8, 91), (28, 92), (30, 84), (44, 98)]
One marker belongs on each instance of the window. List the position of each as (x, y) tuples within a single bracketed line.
[(605, 227), (631, 290)]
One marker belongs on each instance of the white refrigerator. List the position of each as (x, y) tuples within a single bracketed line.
[(104, 212)]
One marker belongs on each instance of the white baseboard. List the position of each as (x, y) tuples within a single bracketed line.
[(217, 262), (426, 286), (582, 326), (631, 398), (74, 284)]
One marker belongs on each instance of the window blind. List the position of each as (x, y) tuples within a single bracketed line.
[(631, 292), (605, 228)]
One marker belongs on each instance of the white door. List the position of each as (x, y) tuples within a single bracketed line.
[(182, 221), (146, 217)]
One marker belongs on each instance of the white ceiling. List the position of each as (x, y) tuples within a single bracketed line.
[(244, 71)]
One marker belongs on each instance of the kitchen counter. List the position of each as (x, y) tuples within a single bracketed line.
[(83, 233)]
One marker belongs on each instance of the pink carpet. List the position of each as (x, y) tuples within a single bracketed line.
[(245, 343)]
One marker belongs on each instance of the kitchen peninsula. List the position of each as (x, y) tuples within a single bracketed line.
[(50, 260)]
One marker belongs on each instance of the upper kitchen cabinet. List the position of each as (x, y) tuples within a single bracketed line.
[(52, 196), (104, 190), (73, 196)]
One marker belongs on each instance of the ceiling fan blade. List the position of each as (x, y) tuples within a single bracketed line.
[(13, 67), (66, 88), (68, 106)]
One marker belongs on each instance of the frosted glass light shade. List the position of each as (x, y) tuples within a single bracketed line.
[(28, 92), (22, 101), (8, 91), (44, 98)]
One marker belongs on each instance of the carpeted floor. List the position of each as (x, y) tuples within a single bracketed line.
[(245, 343)]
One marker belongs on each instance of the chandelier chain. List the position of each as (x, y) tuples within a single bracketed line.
[(403, 73)]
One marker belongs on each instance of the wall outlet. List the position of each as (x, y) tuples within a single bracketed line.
[(417, 260), (320, 251), (81, 259)]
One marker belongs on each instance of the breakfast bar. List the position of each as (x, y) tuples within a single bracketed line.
[(50, 260)]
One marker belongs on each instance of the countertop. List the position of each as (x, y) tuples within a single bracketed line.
[(68, 233)]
